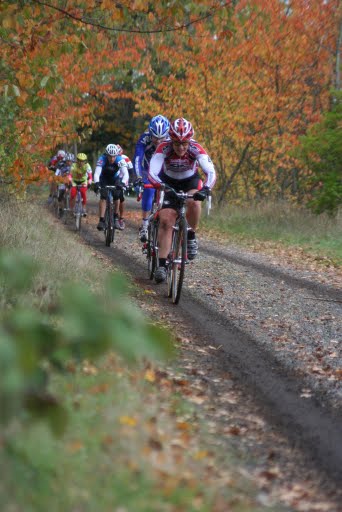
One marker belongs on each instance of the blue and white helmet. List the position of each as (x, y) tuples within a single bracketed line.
[(112, 150), (69, 157), (159, 127)]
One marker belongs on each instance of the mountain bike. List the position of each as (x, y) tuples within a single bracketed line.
[(109, 218), (177, 258), (150, 247)]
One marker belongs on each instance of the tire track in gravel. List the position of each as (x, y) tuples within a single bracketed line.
[(314, 430), (321, 290), (268, 270)]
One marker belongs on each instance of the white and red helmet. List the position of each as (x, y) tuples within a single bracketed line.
[(181, 130)]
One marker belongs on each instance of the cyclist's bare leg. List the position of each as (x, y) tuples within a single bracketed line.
[(193, 212), (116, 206), (102, 208), (167, 218), (121, 209)]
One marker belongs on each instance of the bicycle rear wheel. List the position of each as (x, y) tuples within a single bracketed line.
[(177, 261)]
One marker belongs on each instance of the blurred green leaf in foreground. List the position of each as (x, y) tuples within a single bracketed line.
[(81, 324)]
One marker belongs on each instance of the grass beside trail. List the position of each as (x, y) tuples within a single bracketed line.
[(134, 443), (279, 222)]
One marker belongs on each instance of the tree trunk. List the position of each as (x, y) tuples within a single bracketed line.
[(233, 174)]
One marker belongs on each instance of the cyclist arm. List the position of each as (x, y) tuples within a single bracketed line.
[(139, 155), (97, 173), (52, 164), (156, 165), (123, 171), (128, 162), (208, 168), (89, 175)]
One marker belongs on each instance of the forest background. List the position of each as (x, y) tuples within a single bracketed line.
[(259, 80)]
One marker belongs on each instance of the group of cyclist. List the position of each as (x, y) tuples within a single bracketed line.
[(166, 153), (73, 172)]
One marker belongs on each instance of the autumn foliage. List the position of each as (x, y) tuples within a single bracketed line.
[(251, 75)]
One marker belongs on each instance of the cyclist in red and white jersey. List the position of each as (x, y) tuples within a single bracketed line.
[(176, 163)]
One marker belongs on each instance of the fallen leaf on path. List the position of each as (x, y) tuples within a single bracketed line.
[(128, 420), (201, 454), (150, 376)]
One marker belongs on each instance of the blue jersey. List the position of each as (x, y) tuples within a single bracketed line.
[(144, 150), (109, 172), (63, 168)]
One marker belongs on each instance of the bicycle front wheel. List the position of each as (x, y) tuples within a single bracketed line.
[(78, 212), (152, 247), (56, 206), (177, 260), (78, 221), (108, 225), (66, 207)]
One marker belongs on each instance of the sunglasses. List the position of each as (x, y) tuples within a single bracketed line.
[(178, 144)]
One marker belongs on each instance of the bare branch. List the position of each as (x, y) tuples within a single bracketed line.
[(112, 29)]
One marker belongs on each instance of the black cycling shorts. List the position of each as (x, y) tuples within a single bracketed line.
[(104, 192), (193, 183)]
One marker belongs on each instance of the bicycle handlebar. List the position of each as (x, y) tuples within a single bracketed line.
[(163, 187), (114, 187)]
